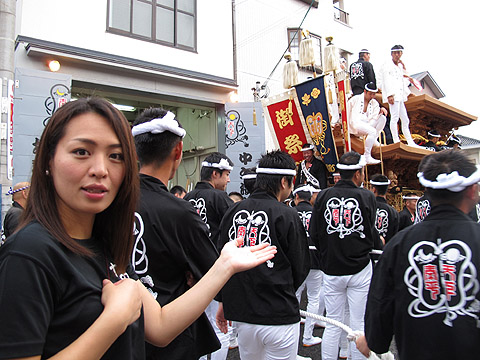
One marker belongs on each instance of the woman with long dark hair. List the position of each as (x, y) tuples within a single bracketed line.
[(67, 290)]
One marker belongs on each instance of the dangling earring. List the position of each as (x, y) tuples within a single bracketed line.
[(47, 172)]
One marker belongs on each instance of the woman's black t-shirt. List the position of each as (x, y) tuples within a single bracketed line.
[(49, 296)]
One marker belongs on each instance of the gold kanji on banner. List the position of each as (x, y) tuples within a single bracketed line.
[(293, 144), (315, 93), (284, 118), (306, 99)]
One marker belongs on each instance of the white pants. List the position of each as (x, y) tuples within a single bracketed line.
[(268, 342), (315, 299), (398, 110), (220, 354), (338, 290), (372, 130)]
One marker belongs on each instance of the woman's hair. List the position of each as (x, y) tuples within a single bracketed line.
[(114, 225)]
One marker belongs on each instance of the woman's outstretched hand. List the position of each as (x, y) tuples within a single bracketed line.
[(247, 257)]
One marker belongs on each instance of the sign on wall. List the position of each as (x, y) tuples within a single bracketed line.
[(244, 140), (38, 94)]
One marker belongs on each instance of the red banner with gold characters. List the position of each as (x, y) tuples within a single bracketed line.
[(285, 124), (343, 110)]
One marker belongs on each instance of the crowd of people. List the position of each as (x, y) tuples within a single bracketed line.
[(203, 268)]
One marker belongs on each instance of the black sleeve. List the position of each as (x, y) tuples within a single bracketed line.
[(11, 221), (369, 73), (380, 308), (200, 250), (298, 254), (297, 178), (27, 306)]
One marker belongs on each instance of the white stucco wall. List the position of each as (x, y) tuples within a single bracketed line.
[(83, 24)]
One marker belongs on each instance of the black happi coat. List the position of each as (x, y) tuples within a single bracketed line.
[(361, 73), (343, 228), (405, 219), (386, 221), (425, 290), (172, 240), (318, 170), (211, 205), (304, 209), (50, 296), (423, 208), (12, 219), (265, 295)]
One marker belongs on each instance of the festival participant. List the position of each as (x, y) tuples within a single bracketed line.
[(361, 72), (313, 282), (262, 302), (342, 228), (311, 170), (211, 202), (178, 191), (236, 196), (249, 178), (432, 136), (366, 117), (386, 221), (454, 142), (422, 208), (209, 196), (71, 254), (394, 85), (406, 217), (425, 290), (172, 244), (12, 217)]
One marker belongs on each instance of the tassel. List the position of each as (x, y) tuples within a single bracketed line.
[(330, 97), (290, 72), (306, 54), (254, 117), (332, 60)]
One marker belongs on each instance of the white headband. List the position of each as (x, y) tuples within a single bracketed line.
[(380, 182), (222, 165), (410, 197), (160, 125), (270, 171), (306, 188), (453, 181), (311, 147), (361, 163), (249, 176)]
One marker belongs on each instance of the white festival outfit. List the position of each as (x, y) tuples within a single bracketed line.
[(393, 83), (369, 123)]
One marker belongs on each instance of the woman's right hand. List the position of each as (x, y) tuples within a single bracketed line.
[(122, 300)]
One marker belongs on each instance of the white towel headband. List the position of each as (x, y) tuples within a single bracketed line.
[(160, 125), (222, 165), (361, 163), (453, 181)]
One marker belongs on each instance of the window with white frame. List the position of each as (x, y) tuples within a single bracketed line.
[(294, 46), (169, 22)]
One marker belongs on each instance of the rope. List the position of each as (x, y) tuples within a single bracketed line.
[(351, 335)]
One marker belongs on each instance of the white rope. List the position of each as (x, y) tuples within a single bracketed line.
[(351, 335)]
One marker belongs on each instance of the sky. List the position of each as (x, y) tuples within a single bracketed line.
[(439, 36)]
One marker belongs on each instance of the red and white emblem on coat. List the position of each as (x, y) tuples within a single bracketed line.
[(381, 222), (442, 279), (199, 205), (344, 216), (252, 228)]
